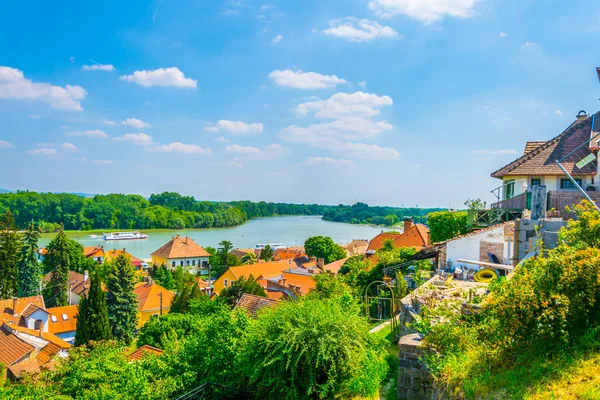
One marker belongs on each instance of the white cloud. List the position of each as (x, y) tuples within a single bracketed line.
[(136, 123), (98, 67), (558, 112), (330, 134), (356, 105), (304, 80), (69, 148), (96, 133), (161, 77), (277, 39), (336, 162), (270, 152), (365, 151), (529, 44), (43, 152), (102, 162), (109, 122), (14, 85), (236, 127), (222, 139), (141, 139), (359, 30), (179, 147), (6, 145), (362, 84), (33, 116), (498, 152), (426, 11), (503, 34)]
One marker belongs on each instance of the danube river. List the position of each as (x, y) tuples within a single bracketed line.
[(291, 231)]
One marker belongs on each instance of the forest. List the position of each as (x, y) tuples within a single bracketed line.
[(170, 210)]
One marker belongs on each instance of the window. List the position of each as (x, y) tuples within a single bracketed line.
[(510, 189), (154, 316), (65, 317), (193, 262), (173, 264), (187, 263), (536, 182), (53, 318), (225, 283), (181, 263), (567, 184)]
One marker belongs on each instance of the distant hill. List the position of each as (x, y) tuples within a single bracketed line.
[(75, 193)]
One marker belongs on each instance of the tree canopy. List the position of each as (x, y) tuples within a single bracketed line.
[(324, 247)]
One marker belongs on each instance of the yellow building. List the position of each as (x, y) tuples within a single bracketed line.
[(154, 300), (182, 252), (259, 270)]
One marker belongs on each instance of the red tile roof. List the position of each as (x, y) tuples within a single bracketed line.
[(542, 160), (302, 284), (12, 348), (253, 303), (149, 296), (335, 266), (530, 146), (179, 247), (49, 337), (143, 350), (378, 241), (416, 236), (112, 254), (22, 368), (288, 253), (93, 251), (7, 314)]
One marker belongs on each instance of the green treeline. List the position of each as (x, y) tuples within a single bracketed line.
[(170, 210), (361, 213)]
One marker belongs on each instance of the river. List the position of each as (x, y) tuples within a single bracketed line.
[(291, 231)]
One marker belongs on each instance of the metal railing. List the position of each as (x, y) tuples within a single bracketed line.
[(215, 391)]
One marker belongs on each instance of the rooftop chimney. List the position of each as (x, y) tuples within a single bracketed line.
[(14, 306), (408, 223), (41, 330), (320, 262), (313, 259), (581, 115)]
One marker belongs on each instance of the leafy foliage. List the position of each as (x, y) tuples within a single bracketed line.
[(232, 294), (311, 349), (361, 213), (444, 225), (266, 253), (169, 328), (9, 259), (324, 247), (92, 319), (122, 302)]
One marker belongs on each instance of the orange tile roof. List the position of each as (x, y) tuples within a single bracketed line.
[(416, 236), (288, 253), (22, 368), (149, 299), (202, 283), (12, 348), (179, 247), (62, 326), (357, 247), (335, 266), (265, 270), (143, 350), (50, 337), (301, 283), (240, 253), (7, 314), (111, 254), (253, 303), (30, 309), (378, 241), (79, 285), (530, 146), (275, 295), (542, 160), (45, 355), (93, 251)]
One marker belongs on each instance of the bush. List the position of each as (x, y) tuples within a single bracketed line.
[(444, 225), (168, 328)]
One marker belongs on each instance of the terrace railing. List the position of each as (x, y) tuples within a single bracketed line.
[(495, 216)]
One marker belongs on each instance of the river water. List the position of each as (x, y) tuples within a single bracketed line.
[(291, 231)]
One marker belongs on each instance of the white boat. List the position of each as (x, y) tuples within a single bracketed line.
[(125, 236), (273, 246)]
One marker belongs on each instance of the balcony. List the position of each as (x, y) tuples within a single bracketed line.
[(557, 201)]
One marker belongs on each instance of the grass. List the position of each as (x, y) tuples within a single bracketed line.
[(390, 384)]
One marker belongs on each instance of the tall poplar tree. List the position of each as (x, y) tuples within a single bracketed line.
[(121, 300), (10, 246), (57, 258), (30, 271), (92, 320)]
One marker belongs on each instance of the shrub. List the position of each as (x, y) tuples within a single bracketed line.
[(444, 225)]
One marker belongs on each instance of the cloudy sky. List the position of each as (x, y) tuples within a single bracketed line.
[(390, 102)]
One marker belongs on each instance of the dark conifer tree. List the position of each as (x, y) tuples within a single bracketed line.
[(10, 245), (121, 300), (57, 258), (92, 320), (30, 271)]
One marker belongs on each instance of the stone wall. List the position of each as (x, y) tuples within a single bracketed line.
[(414, 381)]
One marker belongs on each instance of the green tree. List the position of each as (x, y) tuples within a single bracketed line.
[(92, 319), (312, 349), (58, 261), (30, 273), (584, 230), (122, 302), (475, 204), (266, 253), (10, 245), (249, 258), (232, 294), (444, 225), (324, 247), (168, 329), (181, 300)]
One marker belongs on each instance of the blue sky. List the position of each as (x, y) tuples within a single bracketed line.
[(390, 102)]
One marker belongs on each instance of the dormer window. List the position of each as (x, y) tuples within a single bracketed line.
[(65, 317), (53, 318)]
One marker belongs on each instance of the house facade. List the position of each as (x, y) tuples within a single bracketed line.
[(153, 301), (182, 252), (537, 167)]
